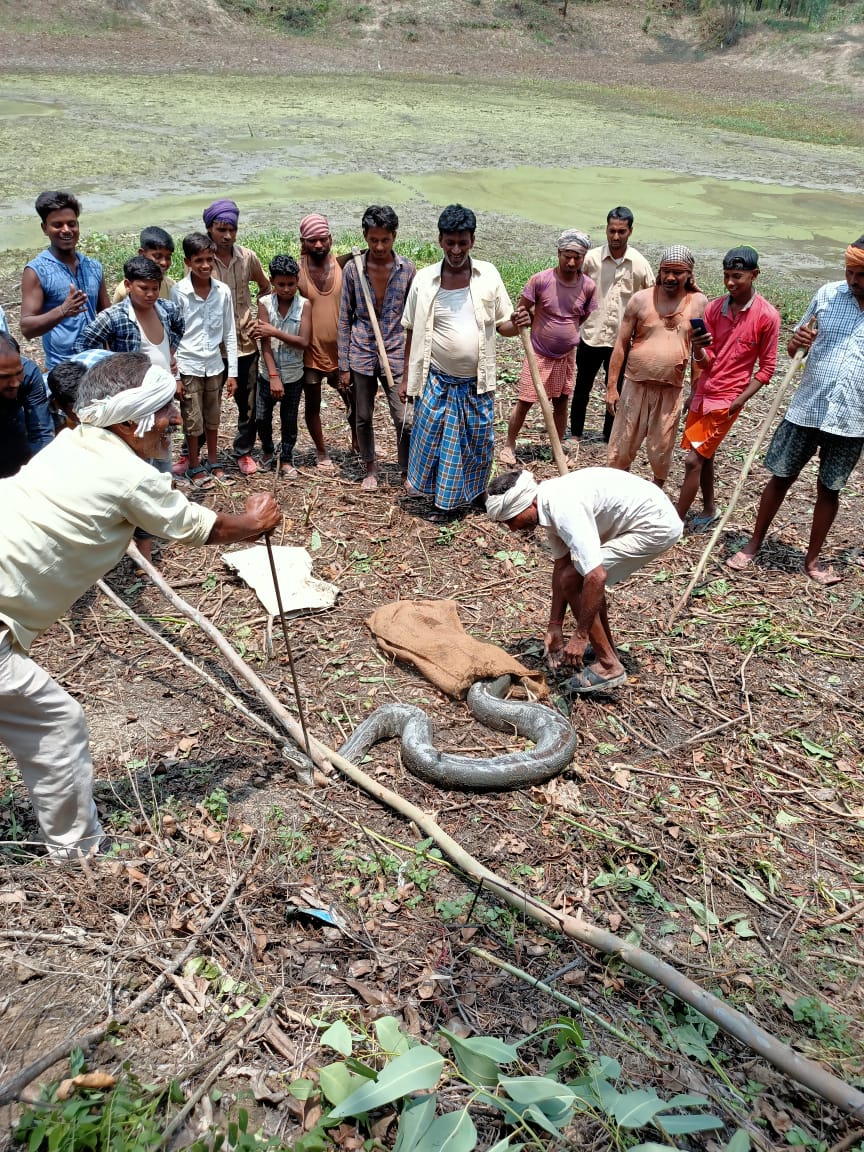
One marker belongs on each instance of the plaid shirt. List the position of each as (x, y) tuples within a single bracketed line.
[(114, 328), (356, 339), (831, 394)]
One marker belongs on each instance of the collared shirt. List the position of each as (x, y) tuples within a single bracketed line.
[(357, 346), (617, 282), (831, 394), (243, 267), (55, 277), (586, 509), (209, 324), (492, 306), (288, 358), (57, 538), (117, 327), (738, 343), (29, 426), (120, 292)]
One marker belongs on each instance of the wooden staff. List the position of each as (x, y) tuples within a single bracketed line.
[(543, 399), (780, 395)]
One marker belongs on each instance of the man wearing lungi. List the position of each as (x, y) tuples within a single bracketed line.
[(558, 300), (453, 312)]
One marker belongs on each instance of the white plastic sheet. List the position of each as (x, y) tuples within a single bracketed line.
[(301, 591)]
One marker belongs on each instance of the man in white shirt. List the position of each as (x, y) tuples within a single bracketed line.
[(619, 271), (68, 517), (453, 312), (602, 525)]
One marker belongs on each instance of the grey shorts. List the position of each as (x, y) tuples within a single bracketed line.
[(792, 446)]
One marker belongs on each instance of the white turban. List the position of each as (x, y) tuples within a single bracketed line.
[(515, 500), (140, 404)]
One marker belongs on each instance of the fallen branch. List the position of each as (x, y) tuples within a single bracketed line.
[(12, 1088), (735, 1023), (779, 397)]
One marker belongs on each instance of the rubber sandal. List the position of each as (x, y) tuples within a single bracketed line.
[(288, 472), (369, 482), (587, 680), (218, 473), (703, 521), (740, 562), (247, 465), (325, 465), (199, 477), (507, 457)]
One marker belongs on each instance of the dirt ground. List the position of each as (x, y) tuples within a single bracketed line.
[(714, 809)]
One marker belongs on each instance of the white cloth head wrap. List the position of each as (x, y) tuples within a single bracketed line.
[(140, 404), (515, 500)]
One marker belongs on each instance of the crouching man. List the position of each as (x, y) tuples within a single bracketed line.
[(602, 525), (68, 517)]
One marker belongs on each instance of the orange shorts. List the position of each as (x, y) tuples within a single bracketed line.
[(704, 431)]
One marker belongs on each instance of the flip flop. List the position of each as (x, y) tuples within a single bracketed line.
[(325, 465), (369, 483), (740, 562), (507, 456), (587, 680), (703, 521), (824, 576), (199, 477), (218, 473)]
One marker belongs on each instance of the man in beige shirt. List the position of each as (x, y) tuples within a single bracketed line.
[(619, 271), (237, 267), (67, 519)]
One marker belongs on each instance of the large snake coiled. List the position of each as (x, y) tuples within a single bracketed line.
[(552, 734)]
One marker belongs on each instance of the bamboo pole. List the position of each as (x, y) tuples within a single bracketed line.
[(543, 399), (779, 396)]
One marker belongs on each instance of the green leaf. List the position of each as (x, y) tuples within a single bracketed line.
[(686, 1100), (815, 749), (752, 890), (684, 1125), (532, 1089), (504, 1146), (452, 1132), (338, 1037), (301, 1089), (416, 1071), (690, 1042), (415, 1119), (391, 1037), (535, 1112), (743, 929), (478, 1057), (337, 1083), (740, 1142), (315, 541), (703, 915), (651, 1146), (364, 1070), (634, 1109)]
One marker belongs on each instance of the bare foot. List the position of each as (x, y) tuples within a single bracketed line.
[(820, 574), (369, 482), (325, 464), (740, 561), (507, 456)]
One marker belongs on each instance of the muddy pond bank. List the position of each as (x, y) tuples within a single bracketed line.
[(531, 157)]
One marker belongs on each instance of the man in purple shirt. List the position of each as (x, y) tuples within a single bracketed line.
[(558, 300), (388, 278)]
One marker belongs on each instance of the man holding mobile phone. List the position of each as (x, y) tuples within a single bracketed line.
[(655, 340), (739, 331)]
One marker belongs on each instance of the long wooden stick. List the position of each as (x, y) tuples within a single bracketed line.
[(373, 315), (779, 396), (543, 400), (813, 1076)]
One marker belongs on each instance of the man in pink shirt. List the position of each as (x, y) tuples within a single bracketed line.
[(742, 329), (558, 300)]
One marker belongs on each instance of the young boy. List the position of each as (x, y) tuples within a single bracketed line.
[(388, 277), (158, 245), (208, 311), (558, 300), (141, 322), (284, 327), (63, 384), (742, 329), (237, 267), (61, 289)]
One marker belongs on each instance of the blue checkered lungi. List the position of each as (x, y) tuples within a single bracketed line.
[(452, 442)]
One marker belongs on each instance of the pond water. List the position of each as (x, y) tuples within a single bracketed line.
[(531, 158)]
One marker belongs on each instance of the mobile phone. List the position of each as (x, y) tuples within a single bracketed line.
[(698, 326)]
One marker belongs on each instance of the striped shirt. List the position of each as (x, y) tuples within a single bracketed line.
[(357, 347), (831, 394)]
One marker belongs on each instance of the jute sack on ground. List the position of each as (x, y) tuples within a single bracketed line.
[(429, 635)]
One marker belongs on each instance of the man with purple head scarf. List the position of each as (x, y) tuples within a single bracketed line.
[(237, 266)]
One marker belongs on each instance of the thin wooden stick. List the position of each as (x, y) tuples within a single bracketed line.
[(543, 400), (12, 1088), (779, 397)]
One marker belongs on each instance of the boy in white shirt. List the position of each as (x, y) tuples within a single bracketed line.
[(208, 310)]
